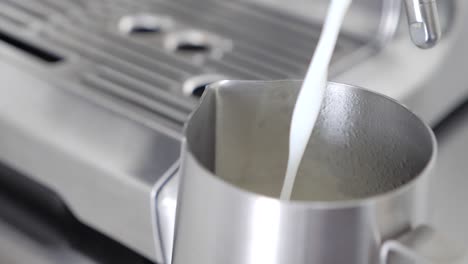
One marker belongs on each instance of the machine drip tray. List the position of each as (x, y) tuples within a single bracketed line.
[(37, 227)]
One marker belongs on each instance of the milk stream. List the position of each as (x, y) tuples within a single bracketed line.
[(310, 97)]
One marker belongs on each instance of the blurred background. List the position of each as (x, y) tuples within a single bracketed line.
[(95, 94)]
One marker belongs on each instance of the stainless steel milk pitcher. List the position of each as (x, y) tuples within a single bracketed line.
[(359, 197)]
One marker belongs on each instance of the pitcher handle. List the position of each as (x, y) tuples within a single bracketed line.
[(422, 245)]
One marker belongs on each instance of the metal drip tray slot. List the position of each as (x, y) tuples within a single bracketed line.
[(37, 52), (144, 24)]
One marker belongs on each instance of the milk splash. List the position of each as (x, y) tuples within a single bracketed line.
[(311, 95)]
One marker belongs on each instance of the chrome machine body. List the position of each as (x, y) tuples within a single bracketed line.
[(95, 93)]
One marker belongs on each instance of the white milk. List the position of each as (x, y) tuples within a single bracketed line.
[(310, 98)]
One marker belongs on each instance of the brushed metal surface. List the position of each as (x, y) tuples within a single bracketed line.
[(221, 220), (448, 191)]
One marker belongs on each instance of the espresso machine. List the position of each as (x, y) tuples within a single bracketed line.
[(96, 94)]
